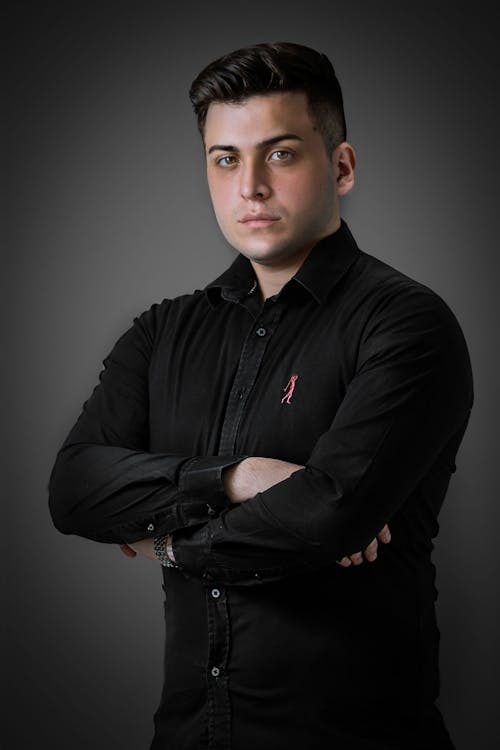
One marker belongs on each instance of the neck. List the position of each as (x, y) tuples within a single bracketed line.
[(271, 279)]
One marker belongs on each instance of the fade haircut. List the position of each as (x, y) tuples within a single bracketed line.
[(270, 68)]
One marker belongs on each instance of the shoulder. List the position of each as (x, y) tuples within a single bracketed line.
[(154, 323), (409, 323), (393, 298), (373, 273), (169, 312)]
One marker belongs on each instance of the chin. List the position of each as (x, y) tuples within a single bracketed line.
[(260, 249), (263, 255)]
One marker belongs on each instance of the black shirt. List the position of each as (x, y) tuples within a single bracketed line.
[(353, 370)]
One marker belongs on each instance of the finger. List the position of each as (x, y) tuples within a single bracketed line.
[(127, 551), (345, 562), (384, 535), (371, 551), (356, 558)]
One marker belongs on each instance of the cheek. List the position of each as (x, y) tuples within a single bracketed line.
[(299, 196), (220, 194), (289, 194)]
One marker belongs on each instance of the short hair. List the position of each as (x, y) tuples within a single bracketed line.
[(270, 68)]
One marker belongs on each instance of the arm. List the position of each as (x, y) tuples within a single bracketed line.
[(244, 480), (105, 484), (252, 475), (407, 405)]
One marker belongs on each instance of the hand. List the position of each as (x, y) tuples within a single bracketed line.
[(128, 551), (143, 547), (370, 553), (252, 475)]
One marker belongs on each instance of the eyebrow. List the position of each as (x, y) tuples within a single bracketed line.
[(262, 144)]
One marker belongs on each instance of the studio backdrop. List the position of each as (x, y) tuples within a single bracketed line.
[(108, 212)]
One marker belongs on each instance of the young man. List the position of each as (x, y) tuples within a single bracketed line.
[(257, 435)]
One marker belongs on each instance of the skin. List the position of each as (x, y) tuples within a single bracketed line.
[(265, 156), (275, 192)]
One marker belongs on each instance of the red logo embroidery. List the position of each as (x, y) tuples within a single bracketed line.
[(289, 389)]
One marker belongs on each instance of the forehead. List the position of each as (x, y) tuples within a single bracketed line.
[(258, 118)]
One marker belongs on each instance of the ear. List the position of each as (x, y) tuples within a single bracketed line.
[(345, 163)]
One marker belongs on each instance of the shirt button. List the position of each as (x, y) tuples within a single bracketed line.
[(261, 331), (151, 527), (215, 593), (215, 671)]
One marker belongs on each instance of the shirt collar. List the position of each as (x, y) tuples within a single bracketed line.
[(325, 265), (234, 284)]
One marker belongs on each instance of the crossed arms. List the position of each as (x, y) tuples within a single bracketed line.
[(249, 477), (404, 409)]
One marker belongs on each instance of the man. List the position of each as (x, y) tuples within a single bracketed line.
[(256, 436)]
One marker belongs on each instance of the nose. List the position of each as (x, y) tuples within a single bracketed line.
[(254, 185)]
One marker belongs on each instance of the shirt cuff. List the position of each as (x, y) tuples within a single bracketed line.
[(194, 556), (200, 479), (191, 549)]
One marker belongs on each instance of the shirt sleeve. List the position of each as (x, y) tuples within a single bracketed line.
[(405, 408), (106, 485)]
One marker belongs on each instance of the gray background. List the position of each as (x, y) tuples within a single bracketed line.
[(108, 212)]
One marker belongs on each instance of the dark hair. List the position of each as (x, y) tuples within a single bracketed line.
[(269, 68)]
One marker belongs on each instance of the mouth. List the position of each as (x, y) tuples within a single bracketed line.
[(258, 220)]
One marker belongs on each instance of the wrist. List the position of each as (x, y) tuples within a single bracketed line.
[(169, 549)]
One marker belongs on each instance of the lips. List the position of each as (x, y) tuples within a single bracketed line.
[(258, 218)]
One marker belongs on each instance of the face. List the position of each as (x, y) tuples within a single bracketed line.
[(274, 189)]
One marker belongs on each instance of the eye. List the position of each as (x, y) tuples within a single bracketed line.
[(281, 155), (226, 161)]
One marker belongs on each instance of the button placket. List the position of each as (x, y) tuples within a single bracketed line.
[(218, 652), (251, 356), (252, 353)]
